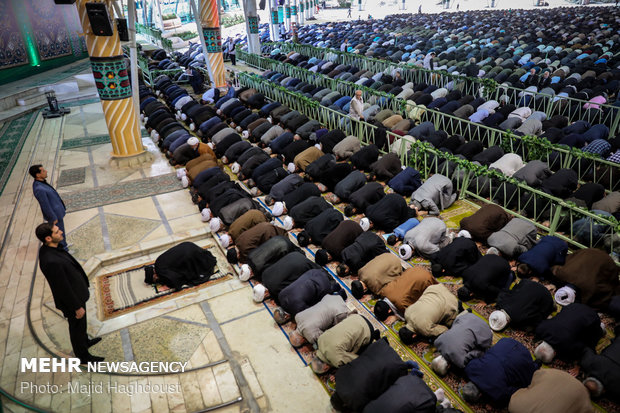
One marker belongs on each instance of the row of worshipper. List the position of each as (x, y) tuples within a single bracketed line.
[(499, 48), (491, 113), (564, 185), (273, 229), (434, 96), (262, 242)]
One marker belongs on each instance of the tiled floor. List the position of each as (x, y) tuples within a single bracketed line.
[(237, 354)]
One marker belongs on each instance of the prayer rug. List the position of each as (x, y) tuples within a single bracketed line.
[(120, 192), (125, 291), (85, 141), (70, 177), (13, 134)]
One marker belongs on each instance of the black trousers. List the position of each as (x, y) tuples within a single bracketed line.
[(78, 336), (233, 59)]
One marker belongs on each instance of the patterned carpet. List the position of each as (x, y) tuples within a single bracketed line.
[(12, 137), (85, 141), (73, 176), (119, 192)]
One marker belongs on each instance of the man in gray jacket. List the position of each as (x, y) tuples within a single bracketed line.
[(434, 195), (517, 236), (428, 237), (468, 338), (533, 173), (314, 320)]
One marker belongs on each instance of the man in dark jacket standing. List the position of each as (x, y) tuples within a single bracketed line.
[(51, 203), (69, 285)]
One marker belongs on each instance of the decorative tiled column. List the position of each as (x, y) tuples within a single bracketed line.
[(251, 26), (274, 27), (112, 81), (210, 22)]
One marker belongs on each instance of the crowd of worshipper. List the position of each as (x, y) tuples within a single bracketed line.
[(294, 177)]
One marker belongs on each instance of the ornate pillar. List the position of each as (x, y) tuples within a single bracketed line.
[(287, 14), (212, 47), (112, 80), (274, 27), (301, 12), (251, 26)]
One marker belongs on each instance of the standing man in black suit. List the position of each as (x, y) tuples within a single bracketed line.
[(69, 285)]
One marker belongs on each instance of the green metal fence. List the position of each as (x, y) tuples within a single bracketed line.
[(589, 167), (551, 215), (154, 36)]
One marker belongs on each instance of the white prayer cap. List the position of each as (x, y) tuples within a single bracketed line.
[(183, 116), (493, 251), (238, 128), (291, 167), (318, 146), (206, 214), (464, 233), (245, 134), (259, 293), (225, 240), (498, 320), (193, 141), (235, 168), (278, 209), (365, 224), (288, 223), (219, 111), (153, 132), (405, 251), (184, 181), (267, 150), (156, 137), (565, 296), (270, 119), (192, 126), (181, 172), (245, 273), (210, 145), (215, 224)]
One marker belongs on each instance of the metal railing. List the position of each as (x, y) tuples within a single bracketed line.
[(154, 36), (589, 167), (553, 216)]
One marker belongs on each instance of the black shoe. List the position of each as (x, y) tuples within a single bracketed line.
[(93, 341), (91, 359)]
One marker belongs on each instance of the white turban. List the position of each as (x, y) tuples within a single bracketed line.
[(184, 181), (498, 320), (365, 224), (215, 224), (288, 223), (210, 145), (278, 209), (183, 116), (181, 172), (206, 214), (192, 126), (245, 273), (235, 168), (291, 167), (193, 141), (565, 296), (259, 293), (405, 251), (225, 240), (464, 233), (318, 146), (245, 134)]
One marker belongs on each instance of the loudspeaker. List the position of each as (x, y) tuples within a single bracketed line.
[(64, 1), (121, 26), (99, 19)]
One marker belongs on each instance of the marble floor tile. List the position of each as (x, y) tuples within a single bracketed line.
[(139, 208)]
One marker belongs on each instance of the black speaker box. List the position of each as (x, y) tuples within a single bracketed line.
[(64, 1), (99, 19), (123, 33)]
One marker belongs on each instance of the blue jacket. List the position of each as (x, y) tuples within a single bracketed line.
[(548, 252), (406, 181), (502, 370), (51, 204)]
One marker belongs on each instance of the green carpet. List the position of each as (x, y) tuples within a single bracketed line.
[(12, 137), (85, 141), (120, 192)]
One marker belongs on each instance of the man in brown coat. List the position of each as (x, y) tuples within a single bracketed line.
[(594, 274), (488, 219), (376, 274), (251, 239), (403, 291), (551, 391), (242, 224)]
